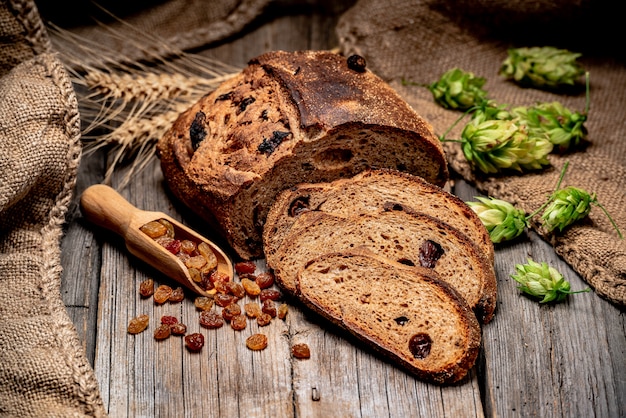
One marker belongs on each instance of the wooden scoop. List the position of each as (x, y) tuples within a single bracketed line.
[(105, 207)]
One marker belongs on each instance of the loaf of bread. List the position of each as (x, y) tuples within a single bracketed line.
[(288, 118), (407, 237), (405, 313), (369, 192)]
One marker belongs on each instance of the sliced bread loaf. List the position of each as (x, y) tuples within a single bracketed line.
[(368, 192), (405, 313), (409, 238)]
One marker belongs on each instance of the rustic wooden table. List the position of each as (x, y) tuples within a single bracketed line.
[(565, 360)]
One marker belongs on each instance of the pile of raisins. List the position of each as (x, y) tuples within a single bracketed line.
[(224, 307)]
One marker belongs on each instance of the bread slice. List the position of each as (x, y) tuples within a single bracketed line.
[(399, 236), (405, 313), (369, 192), (288, 118)]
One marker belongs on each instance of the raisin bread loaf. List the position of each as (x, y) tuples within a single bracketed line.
[(409, 238), (287, 118), (368, 192), (405, 313)]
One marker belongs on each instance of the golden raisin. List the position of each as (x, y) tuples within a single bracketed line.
[(282, 311), (256, 342), (300, 351), (263, 319), (236, 289), (252, 309), (187, 246), (203, 303), (162, 294), (153, 229), (168, 226), (179, 329), (146, 288), (162, 332), (138, 324), (178, 295), (252, 289), (238, 322), (230, 311)]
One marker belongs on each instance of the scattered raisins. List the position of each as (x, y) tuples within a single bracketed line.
[(269, 307), (282, 311), (272, 294), (138, 324), (177, 296), (230, 311), (203, 303), (430, 252), (178, 329), (300, 351), (162, 332), (420, 344), (252, 309), (146, 288), (264, 280), (195, 341), (162, 294), (263, 319), (245, 267), (251, 287), (211, 319), (238, 322), (256, 342)]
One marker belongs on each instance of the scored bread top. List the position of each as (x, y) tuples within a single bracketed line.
[(369, 192), (405, 313), (410, 238), (287, 118)]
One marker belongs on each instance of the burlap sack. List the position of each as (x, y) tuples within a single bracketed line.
[(418, 40)]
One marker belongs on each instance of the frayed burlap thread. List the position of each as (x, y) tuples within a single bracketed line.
[(411, 43)]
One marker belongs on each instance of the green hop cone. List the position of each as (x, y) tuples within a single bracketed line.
[(489, 110), (565, 129), (495, 145), (568, 205), (542, 67), (542, 281), (459, 90), (503, 221)]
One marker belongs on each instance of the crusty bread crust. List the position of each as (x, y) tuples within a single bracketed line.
[(289, 118), (369, 192), (387, 304), (397, 235)]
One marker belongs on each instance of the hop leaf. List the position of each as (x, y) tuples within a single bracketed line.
[(542, 67), (542, 281), (493, 145), (568, 206), (457, 89), (564, 128), (503, 221)]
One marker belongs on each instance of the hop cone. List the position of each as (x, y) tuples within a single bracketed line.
[(542, 281), (489, 110), (568, 206), (564, 128), (458, 90), (542, 67), (494, 145), (503, 221)]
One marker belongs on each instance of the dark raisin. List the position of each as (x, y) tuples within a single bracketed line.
[(225, 96), (357, 63), (236, 289), (230, 311), (269, 145), (272, 294), (146, 288), (269, 307), (197, 131), (169, 320), (265, 279), (264, 319), (401, 320), (256, 342), (179, 329), (298, 206), (224, 299), (245, 103), (177, 296), (430, 252), (420, 345), (245, 267), (162, 332), (239, 322), (195, 341)]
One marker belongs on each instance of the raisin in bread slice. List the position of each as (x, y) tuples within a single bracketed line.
[(405, 313), (368, 192), (287, 118), (409, 238)]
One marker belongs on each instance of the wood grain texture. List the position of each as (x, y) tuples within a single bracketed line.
[(564, 360)]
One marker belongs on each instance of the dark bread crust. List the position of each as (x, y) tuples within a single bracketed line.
[(289, 118), (370, 191), (366, 295)]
